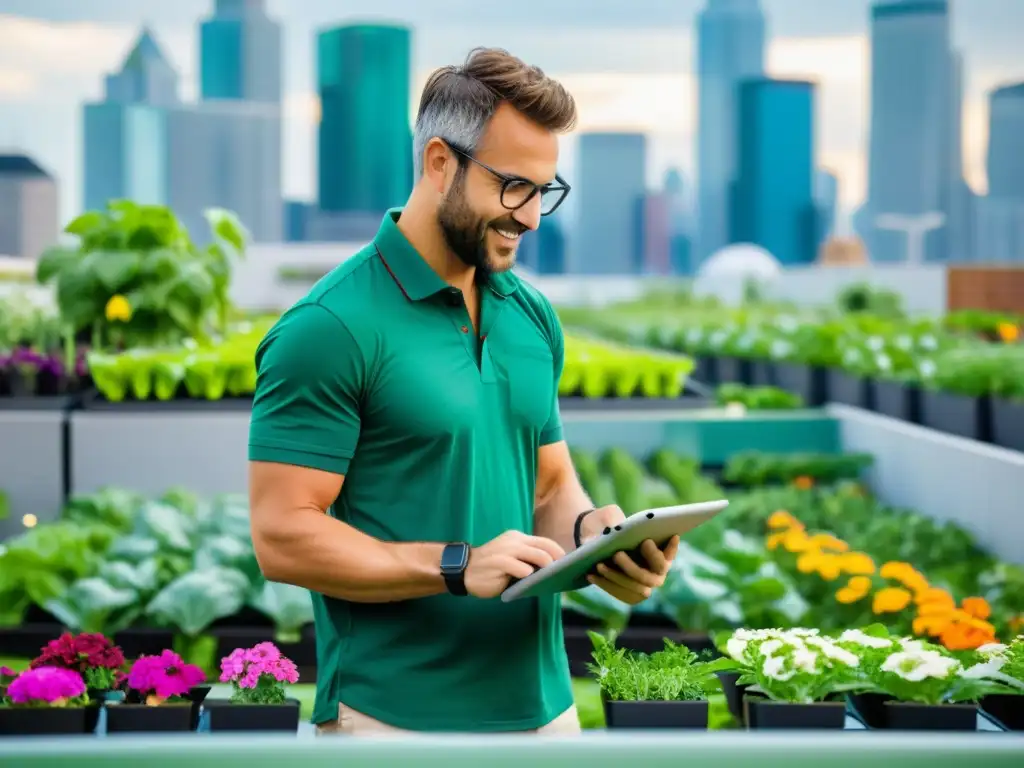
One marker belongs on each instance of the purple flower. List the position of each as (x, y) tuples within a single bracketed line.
[(49, 685)]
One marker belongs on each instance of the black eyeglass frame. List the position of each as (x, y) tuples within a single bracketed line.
[(558, 185)]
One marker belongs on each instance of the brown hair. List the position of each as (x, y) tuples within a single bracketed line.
[(457, 101)]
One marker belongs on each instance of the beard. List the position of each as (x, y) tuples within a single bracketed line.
[(465, 232)]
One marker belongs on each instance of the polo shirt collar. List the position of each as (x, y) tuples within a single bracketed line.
[(416, 279)]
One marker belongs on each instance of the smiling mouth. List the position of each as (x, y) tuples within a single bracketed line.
[(508, 233)]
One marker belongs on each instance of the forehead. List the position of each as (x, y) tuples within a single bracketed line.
[(514, 144)]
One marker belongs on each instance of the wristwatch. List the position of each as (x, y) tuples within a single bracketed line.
[(454, 559)]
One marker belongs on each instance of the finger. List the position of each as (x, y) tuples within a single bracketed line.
[(548, 545), (517, 569), (532, 555), (671, 550), (655, 558), (623, 581), (626, 596), (637, 573)]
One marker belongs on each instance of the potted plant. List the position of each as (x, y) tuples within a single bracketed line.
[(795, 678), (44, 700), (927, 687), (1003, 665), (94, 657), (158, 696), (665, 689), (258, 677)]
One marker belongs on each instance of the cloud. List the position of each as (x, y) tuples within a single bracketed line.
[(16, 83)]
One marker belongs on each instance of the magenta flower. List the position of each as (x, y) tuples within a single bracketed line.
[(7, 672), (258, 674), (165, 676), (53, 686)]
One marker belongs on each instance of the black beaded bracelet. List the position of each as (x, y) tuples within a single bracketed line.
[(577, 529)]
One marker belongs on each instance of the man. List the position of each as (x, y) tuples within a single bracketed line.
[(406, 450)]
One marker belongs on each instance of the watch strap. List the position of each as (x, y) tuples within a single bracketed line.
[(577, 530), (455, 578)]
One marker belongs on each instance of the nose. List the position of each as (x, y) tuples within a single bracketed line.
[(529, 214)]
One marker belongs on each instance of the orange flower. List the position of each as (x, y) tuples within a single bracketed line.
[(803, 483), (1008, 332), (828, 567), (894, 570), (934, 599), (890, 600), (963, 636), (855, 589), (932, 626), (1016, 624), (977, 607), (830, 542), (857, 564), (780, 518)]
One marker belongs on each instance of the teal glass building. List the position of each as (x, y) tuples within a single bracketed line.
[(773, 203), (365, 137)]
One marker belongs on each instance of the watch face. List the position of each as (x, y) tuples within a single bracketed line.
[(453, 557)]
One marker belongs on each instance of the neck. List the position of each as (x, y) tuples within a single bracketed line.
[(418, 223)]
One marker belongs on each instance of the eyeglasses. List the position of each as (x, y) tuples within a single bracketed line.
[(517, 191)]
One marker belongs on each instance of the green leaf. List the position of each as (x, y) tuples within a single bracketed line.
[(77, 296), (114, 269), (166, 525), (53, 261), (85, 223), (227, 227), (93, 605), (288, 606), (192, 602)]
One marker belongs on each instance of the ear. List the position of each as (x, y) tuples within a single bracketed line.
[(439, 165)]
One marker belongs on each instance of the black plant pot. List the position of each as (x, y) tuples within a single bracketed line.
[(897, 400), (870, 708), (197, 696), (138, 718), (734, 694), (910, 716), (1007, 708), (225, 716), (656, 714), (763, 714), (956, 414), (704, 371), (848, 389), (42, 721), (762, 373), (803, 380), (1008, 423), (733, 370)]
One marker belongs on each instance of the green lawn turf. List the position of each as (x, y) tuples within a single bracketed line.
[(588, 699)]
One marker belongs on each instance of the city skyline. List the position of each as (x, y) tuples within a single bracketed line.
[(632, 98)]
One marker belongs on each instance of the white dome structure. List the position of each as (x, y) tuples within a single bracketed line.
[(741, 260), (727, 272)]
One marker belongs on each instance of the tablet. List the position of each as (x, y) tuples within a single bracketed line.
[(570, 572)]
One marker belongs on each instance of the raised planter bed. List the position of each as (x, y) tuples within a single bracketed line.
[(1008, 423), (605, 404), (958, 415)]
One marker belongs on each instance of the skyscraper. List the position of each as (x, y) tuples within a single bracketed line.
[(914, 159), (730, 48), (773, 196), (125, 143), (611, 182), (240, 53), (999, 229), (29, 219), (365, 138)]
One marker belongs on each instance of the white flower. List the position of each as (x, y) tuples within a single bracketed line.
[(805, 660), (992, 648), (904, 342), (834, 652), (857, 637), (985, 669), (913, 646), (928, 342), (768, 647), (773, 668), (917, 666)]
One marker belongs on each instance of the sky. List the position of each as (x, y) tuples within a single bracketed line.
[(628, 63)]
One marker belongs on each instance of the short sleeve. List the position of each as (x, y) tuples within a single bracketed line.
[(310, 379), (552, 432)]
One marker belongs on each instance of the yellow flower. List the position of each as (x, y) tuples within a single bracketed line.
[(828, 541), (828, 567), (1008, 332), (796, 541), (894, 570), (857, 564), (890, 600), (808, 562), (780, 518), (855, 589), (860, 583), (118, 308), (934, 600)]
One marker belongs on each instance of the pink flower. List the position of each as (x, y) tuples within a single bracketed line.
[(50, 685), (284, 671), (7, 672), (165, 676), (262, 653), (251, 678), (232, 666)]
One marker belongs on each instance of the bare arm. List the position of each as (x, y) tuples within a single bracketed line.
[(296, 542), (560, 497)]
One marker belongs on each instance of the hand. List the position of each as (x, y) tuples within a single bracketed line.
[(512, 555), (632, 583)]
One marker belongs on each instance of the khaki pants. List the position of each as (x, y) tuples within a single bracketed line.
[(353, 723)]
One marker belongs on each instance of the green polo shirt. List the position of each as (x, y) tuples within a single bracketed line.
[(378, 375)]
